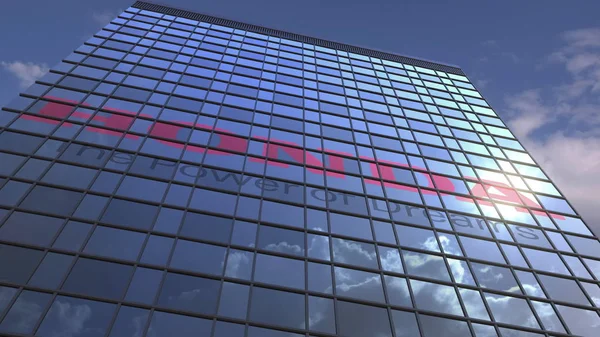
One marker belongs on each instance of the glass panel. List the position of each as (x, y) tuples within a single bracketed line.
[(89, 277), (320, 315), (437, 326), (426, 265), (189, 293), (18, 272), (561, 289), (279, 271), (234, 300), (51, 271), (77, 317), (277, 308), (511, 310), (163, 324), (358, 284), (580, 322), (25, 312), (355, 253), (130, 322), (357, 320), (497, 278), (436, 297)]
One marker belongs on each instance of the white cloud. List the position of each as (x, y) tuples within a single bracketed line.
[(25, 72), (569, 153), (481, 83), (105, 17)]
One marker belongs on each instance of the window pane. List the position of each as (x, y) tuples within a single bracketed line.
[(279, 271), (437, 326), (89, 277), (164, 324), (186, 256), (130, 322), (277, 308), (436, 297), (116, 243), (28, 260), (189, 293), (357, 320), (77, 317), (30, 228), (51, 271), (25, 312), (358, 284)]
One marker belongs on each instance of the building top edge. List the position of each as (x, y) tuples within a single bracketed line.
[(155, 7)]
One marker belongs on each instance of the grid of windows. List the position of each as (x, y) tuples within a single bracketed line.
[(239, 184)]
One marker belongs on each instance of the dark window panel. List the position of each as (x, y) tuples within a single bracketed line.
[(226, 329), (234, 300), (17, 264), (279, 271), (207, 227), (18, 142), (115, 243), (144, 285), (163, 324), (277, 308), (438, 326), (30, 229), (157, 250), (186, 253), (89, 277), (72, 236), (129, 214), (357, 320), (51, 271), (52, 200), (188, 293)]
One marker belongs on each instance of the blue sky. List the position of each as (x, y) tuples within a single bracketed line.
[(538, 63)]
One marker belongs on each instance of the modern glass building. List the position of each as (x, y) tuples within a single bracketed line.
[(185, 175)]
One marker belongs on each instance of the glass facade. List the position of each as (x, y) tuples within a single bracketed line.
[(183, 174)]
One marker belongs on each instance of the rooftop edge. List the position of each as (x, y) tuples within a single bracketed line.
[(296, 37)]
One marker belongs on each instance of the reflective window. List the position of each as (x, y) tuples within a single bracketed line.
[(89, 277), (426, 265), (189, 293), (279, 271), (494, 277), (281, 240), (185, 256), (563, 290), (163, 324), (234, 300), (116, 243), (358, 284), (357, 320), (438, 326), (355, 253), (436, 297), (28, 260), (129, 322), (30, 228), (51, 271), (25, 312), (580, 321), (511, 310), (291, 306), (92, 318)]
